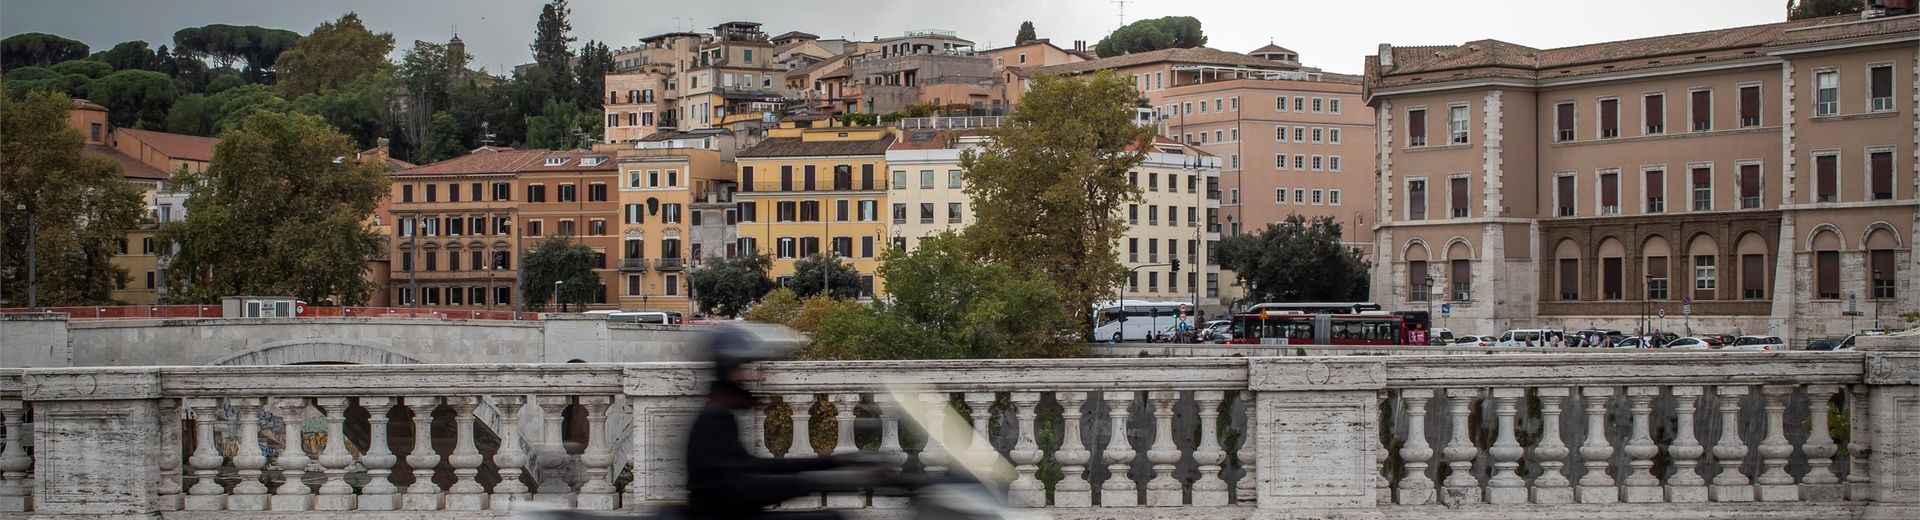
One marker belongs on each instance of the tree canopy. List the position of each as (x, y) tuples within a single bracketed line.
[(1296, 260), (842, 279), (81, 206), (1049, 188), (1152, 35), (1026, 33), (131, 55), (280, 210), (258, 47), (728, 286), (38, 50), (134, 96), (558, 259), (553, 47), (336, 53), (1804, 9)]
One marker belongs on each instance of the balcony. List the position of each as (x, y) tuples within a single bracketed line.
[(1349, 436), (670, 264), (633, 265)]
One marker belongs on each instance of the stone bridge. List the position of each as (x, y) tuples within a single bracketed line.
[(1772, 435)]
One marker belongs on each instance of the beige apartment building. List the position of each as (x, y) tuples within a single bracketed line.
[(690, 81), (815, 190), (664, 180), (1752, 180)]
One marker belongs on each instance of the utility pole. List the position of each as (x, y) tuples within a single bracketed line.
[(1123, 10)]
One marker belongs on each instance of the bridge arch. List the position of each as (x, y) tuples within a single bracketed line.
[(317, 351)]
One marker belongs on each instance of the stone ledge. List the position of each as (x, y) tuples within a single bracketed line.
[(1771, 510), (90, 384)]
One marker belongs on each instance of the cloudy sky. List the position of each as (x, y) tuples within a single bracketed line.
[(1331, 34)]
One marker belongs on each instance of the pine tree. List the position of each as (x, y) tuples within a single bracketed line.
[(1026, 33)]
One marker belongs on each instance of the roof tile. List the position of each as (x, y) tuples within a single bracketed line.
[(177, 146)]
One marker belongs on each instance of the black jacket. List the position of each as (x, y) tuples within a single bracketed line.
[(724, 480)]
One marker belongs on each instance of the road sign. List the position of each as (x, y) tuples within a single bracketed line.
[(1662, 312), (1686, 300), (1853, 303), (1686, 309), (1184, 308), (1446, 309)]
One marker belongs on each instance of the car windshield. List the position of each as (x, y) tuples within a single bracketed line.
[(1750, 341)]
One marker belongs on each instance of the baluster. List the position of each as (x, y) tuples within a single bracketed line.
[(1163, 490), (1820, 484), (168, 493), (553, 458), (1118, 490), (1461, 487), (335, 494), (206, 493), (1642, 486), (15, 494), (1026, 490), (1730, 485), (466, 494), (1859, 445), (1073, 489), (933, 456), (759, 411), (889, 445), (1416, 488), (980, 448), (1209, 490), (1247, 490), (423, 494), (800, 411), (378, 494), (1596, 487), (843, 442), (1506, 486), (1552, 486), (250, 493), (1774, 483), (510, 458), (597, 493), (293, 494), (1383, 475), (1683, 480)]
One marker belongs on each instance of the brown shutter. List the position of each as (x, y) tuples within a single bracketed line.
[(1610, 115), (1610, 190), (1416, 123), (1881, 165), (1569, 278), (1459, 190), (1612, 269), (1825, 168), (1656, 184), (1656, 117), (1702, 177), (1829, 276), (1657, 266), (746, 178), (1880, 82), (1750, 105), (1462, 275), (1566, 192), (1882, 262), (1749, 180), (1702, 109), (1416, 277), (1565, 120), (1753, 276)]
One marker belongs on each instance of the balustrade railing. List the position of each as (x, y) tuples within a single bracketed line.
[(1716, 434)]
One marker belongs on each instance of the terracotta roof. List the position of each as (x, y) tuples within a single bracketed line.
[(795, 147), (1847, 31), (177, 146), (1271, 48), (83, 104), (795, 34), (1199, 55), (482, 160), (129, 167), (840, 72)]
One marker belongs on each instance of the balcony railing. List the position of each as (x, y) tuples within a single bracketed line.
[(633, 264), (670, 264), (1569, 435)]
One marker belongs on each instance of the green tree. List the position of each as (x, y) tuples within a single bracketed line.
[(129, 55), (728, 286), (808, 275), (561, 126), (259, 48), (1152, 35), (80, 204), (1296, 260), (553, 47), (1804, 9), (89, 68), (778, 306), (1050, 187), (335, 54), (30, 74), (945, 304), (38, 50), (1026, 33), (134, 96), (443, 140), (358, 109), (594, 64), (558, 259), (203, 115), (280, 211), (223, 80), (22, 80)]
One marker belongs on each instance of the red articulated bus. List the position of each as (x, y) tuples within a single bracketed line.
[(1270, 327)]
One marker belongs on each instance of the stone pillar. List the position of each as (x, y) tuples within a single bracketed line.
[(1317, 433), (1893, 393), (96, 436)]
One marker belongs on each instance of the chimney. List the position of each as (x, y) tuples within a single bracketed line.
[(1386, 57), (1080, 46)]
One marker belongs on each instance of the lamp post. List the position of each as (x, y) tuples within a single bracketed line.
[(1433, 292), (489, 294), (1645, 298), (1876, 298), (556, 292)]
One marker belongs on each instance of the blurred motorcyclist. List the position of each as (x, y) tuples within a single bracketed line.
[(724, 479)]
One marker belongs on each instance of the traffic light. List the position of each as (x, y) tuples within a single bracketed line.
[(1176, 265)]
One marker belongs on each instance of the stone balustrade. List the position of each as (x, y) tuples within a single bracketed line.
[(1570, 435)]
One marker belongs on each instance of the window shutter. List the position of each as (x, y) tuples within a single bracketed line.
[(1459, 190), (1417, 122), (1610, 190), (1610, 114), (1883, 262), (1564, 119), (1749, 180), (1656, 184), (1753, 275), (746, 178), (1566, 192), (1829, 279), (1656, 112), (1613, 270), (1657, 266), (1825, 167), (1702, 177), (1881, 164), (1880, 82), (1569, 279), (1702, 109), (1462, 274), (1750, 104)]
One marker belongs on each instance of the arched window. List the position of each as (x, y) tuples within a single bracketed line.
[(1460, 270), (1704, 253), (1613, 269), (1657, 259), (1826, 264), (1418, 284), (1883, 272), (1566, 256), (1753, 266)]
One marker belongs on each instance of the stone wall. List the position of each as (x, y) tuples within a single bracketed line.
[(33, 341)]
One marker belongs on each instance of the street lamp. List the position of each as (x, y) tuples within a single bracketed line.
[(556, 292), (1433, 292), (1645, 299), (1876, 298), (489, 268)]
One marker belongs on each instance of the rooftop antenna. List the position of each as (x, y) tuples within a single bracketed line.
[(1123, 10), (486, 136)]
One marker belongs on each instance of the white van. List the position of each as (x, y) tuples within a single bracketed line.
[(650, 317), (1526, 338)]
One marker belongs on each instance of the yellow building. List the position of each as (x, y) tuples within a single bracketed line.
[(809, 191), (664, 233), (147, 160)]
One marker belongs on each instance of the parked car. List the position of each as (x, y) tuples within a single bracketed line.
[(1474, 341), (1597, 337), (1630, 342), (1444, 335), (1723, 339), (1662, 338), (1689, 344), (1756, 343), (1216, 331), (1525, 337)]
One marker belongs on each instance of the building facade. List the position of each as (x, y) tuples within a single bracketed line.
[(811, 191), (665, 180), (1753, 180), (455, 239)]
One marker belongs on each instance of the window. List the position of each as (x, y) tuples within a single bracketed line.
[(843, 247), (1656, 188), (866, 247), (1457, 189), (1280, 161), (1133, 250), (1318, 162), (1880, 88), (953, 212), (1457, 124), (1317, 196), (926, 213), (502, 191), (1749, 106), (1333, 163), (1333, 106), (786, 178), (1563, 191), (1883, 274), (1299, 134), (1233, 104), (1317, 103), (748, 211), (1153, 215), (1300, 197), (1417, 288), (453, 192), (1299, 104), (1416, 127), (840, 208), (433, 260), (869, 211), (926, 179), (1300, 162), (1609, 118), (785, 247), (1563, 122), (1610, 192), (1279, 195), (1705, 277), (533, 228), (810, 211), (1153, 181), (1133, 214), (786, 211), (1702, 188), (1462, 274), (899, 179), (567, 193), (1826, 93), (1317, 134), (1417, 200), (596, 192), (1333, 197), (433, 191), (1610, 278), (953, 178), (1216, 104), (1203, 106), (1153, 250), (1826, 172), (1827, 267), (1654, 114), (1702, 110), (899, 213), (670, 213), (1880, 174), (566, 227), (1753, 277), (1233, 134), (1749, 186), (1657, 278)]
